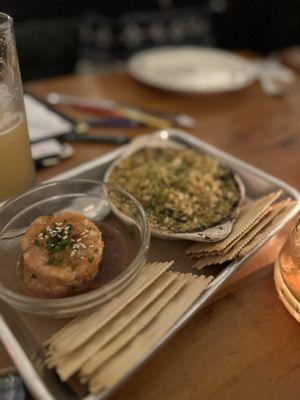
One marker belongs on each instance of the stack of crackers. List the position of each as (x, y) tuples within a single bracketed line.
[(100, 348), (256, 220)]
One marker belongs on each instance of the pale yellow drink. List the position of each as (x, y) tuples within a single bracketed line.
[(16, 166)]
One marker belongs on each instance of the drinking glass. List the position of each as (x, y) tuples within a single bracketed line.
[(16, 166), (289, 260)]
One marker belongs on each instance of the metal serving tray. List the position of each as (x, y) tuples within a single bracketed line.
[(23, 334)]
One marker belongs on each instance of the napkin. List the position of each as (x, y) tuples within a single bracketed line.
[(44, 125)]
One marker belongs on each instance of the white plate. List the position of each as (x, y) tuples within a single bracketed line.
[(192, 69)]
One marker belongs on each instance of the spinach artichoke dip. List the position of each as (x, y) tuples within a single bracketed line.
[(180, 190)]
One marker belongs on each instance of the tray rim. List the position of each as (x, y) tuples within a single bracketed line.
[(190, 139), (22, 361)]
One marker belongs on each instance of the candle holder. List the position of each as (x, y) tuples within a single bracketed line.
[(287, 272)]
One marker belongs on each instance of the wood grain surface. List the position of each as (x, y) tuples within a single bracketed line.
[(244, 344)]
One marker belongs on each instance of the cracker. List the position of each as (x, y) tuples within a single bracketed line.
[(83, 327), (136, 326), (250, 214), (233, 243), (117, 367), (69, 363), (274, 224), (245, 239)]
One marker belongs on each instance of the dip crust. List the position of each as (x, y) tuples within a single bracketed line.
[(181, 190)]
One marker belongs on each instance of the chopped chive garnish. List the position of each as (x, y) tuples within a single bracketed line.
[(58, 237), (37, 242), (90, 259)]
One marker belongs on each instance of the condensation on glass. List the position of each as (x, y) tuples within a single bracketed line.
[(16, 166)]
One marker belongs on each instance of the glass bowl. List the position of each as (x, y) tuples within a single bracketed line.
[(126, 242)]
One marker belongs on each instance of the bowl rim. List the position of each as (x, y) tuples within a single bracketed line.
[(22, 300), (162, 139)]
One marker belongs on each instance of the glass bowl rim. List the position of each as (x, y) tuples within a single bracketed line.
[(101, 291)]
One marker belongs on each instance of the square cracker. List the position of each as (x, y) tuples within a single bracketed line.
[(277, 212), (268, 229), (249, 215), (225, 250)]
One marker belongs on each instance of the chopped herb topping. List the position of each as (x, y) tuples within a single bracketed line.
[(180, 190), (57, 237), (63, 244)]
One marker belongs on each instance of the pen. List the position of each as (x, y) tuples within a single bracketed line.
[(109, 107), (75, 137)]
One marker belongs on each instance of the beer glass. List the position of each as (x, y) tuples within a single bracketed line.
[(16, 166), (289, 260)]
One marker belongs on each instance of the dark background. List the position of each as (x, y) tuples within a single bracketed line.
[(52, 36)]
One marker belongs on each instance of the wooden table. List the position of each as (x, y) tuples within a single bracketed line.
[(244, 344)]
